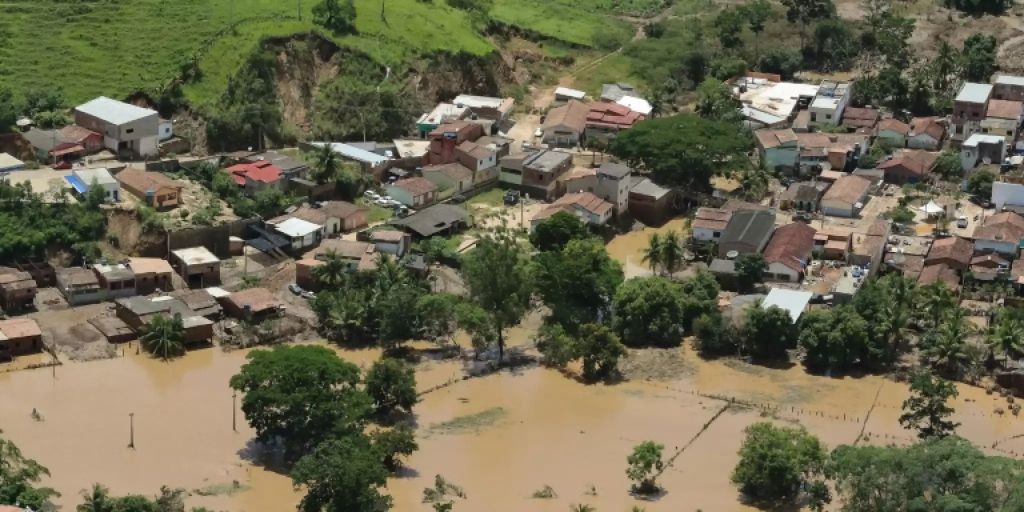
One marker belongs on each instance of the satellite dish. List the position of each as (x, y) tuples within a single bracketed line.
[(732, 255)]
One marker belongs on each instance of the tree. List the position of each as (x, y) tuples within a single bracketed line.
[(437, 316), (393, 444), (96, 499), (757, 12), (892, 38), (714, 335), (295, 396), (944, 68), (342, 475), (886, 302), (442, 494), (339, 16), (979, 58), (8, 110), (164, 337), (836, 339), (391, 383), (1006, 337), (363, 103), (935, 301), (333, 272), (783, 61), (979, 184), (945, 348), (600, 350), (768, 332), (716, 101), (645, 464), (556, 345), (652, 255), (555, 232), (700, 297), (671, 252), (498, 280), (835, 46), (578, 282), (683, 150), (649, 311), (806, 12), (750, 269), (19, 477), (729, 26), (776, 463), (948, 167), (326, 164), (926, 410), (478, 324)]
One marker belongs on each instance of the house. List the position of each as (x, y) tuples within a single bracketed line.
[(814, 152), (501, 146), (126, 129), (908, 166), (201, 302), (475, 157), (1008, 87), (989, 266), (867, 249), (829, 103), (442, 113), (772, 104), (564, 126), (437, 219), (450, 179), (615, 92), (794, 302), (390, 241), (969, 108), (747, 232), (19, 336), (819, 151), (613, 183), (341, 216), (939, 273), (861, 120), (541, 171), (779, 149), (355, 256), (446, 137), (368, 160), (709, 223), (197, 266), (1003, 117), (153, 188), (252, 304), (411, 148), (290, 167), (116, 280), (79, 286), (588, 207), (982, 149), (954, 252), (893, 131), (8, 163), (494, 109), (414, 192), (69, 142), (138, 312), (255, 176), (648, 202), (1007, 191), (803, 196), (151, 274), (564, 95), (82, 180), (17, 290), (925, 133), (1000, 233), (846, 196), (300, 233), (605, 120)]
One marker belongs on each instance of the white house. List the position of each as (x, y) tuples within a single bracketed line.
[(84, 179), (845, 197), (793, 302), (9, 163), (982, 148), (829, 103), (301, 233), (709, 223), (613, 184), (1007, 194), (126, 128)]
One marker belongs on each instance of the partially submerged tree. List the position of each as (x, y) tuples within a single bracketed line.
[(645, 464), (555, 232), (927, 410), (19, 479), (778, 463), (391, 383), (578, 282), (342, 475), (649, 311), (164, 337)]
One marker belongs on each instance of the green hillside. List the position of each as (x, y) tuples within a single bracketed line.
[(117, 47)]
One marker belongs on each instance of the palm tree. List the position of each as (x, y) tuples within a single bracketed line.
[(897, 312), (653, 253), (164, 337), (946, 345), (935, 300), (671, 252), (333, 272), (1007, 337), (96, 499), (326, 165)]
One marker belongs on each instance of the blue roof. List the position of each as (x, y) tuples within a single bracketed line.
[(76, 183)]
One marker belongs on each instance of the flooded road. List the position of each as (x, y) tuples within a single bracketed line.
[(628, 249), (500, 437)]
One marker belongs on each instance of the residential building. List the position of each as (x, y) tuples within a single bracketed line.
[(580, 179), (1000, 233), (564, 126), (605, 120), (442, 113), (1003, 117), (861, 120), (893, 131), (341, 216), (565, 95), (926, 133), (252, 304), (82, 180), (301, 234), (475, 157), (126, 129), (197, 265), (79, 286), (780, 149), (356, 256), (446, 137), (588, 207), (494, 109), (845, 197), (709, 223), (151, 274), (368, 160), (794, 302), (290, 167), (414, 192), (615, 92), (255, 176), (8, 163), (390, 241), (613, 183), (803, 196), (438, 219), (411, 148), (789, 251), (989, 266), (969, 108), (138, 312), (450, 179), (1006, 192), (939, 273), (648, 202), (17, 290), (829, 103), (68, 143), (541, 172), (501, 146), (767, 103), (152, 188), (747, 232), (908, 166), (1008, 87), (981, 149), (955, 252), (19, 336), (116, 280)]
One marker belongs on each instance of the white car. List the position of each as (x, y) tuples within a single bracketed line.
[(371, 195), (394, 202), (538, 133), (382, 201)]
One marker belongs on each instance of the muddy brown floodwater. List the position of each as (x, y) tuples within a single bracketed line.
[(628, 249), (500, 437)]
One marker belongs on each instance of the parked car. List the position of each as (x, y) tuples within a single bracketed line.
[(511, 197), (295, 289), (371, 195), (961, 222), (458, 199), (538, 133), (385, 201)]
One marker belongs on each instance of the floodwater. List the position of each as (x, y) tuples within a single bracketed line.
[(628, 249), (500, 437)]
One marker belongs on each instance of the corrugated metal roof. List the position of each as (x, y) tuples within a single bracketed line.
[(113, 111), (974, 93), (353, 153), (793, 301)]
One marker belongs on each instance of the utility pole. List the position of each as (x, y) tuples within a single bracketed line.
[(234, 410), (131, 435)]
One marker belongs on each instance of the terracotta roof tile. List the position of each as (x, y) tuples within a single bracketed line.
[(790, 245)]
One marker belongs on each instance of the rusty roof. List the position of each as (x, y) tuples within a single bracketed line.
[(860, 117), (953, 248), (775, 138), (930, 126), (939, 273), (258, 299), (387, 235), (416, 186), (145, 181), (587, 201), (572, 115), (150, 266), (913, 161), (791, 245), (1005, 109), (848, 189), (894, 125), (1008, 226)]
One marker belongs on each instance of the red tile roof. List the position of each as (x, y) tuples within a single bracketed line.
[(916, 162), (953, 248), (587, 201), (261, 171), (860, 117), (894, 125), (416, 186), (940, 272), (927, 125), (612, 115), (790, 245), (774, 138), (1007, 226), (1005, 109)]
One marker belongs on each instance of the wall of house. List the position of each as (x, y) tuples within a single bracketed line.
[(705, 234), (399, 194), (20, 346), (1008, 92), (783, 156), (562, 137), (779, 272), (615, 191), (1004, 193), (648, 210), (922, 141), (1007, 127), (837, 208), (1008, 247)]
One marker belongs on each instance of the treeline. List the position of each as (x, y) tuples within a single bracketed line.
[(31, 224)]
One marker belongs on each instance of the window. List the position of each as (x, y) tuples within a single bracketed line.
[(130, 131), (828, 117)]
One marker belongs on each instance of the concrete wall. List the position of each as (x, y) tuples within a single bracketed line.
[(214, 238)]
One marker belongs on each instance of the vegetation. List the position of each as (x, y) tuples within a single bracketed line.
[(645, 464), (164, 337), (338, 16), (649, 311), (768, 332), (578, 282), (664, 253), (555, 232), (342, 474), (29, 226), (20, 477), (927, 409), (597, 346), (98, 499), (750, 269), (391, 383), (777, 464)]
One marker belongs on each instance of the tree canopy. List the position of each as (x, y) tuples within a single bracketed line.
[(342, 475), (649, 311), (498, 279), (391, 383), (777, 463), (578, 282), (19, 479), (927, 409), (553, 233)]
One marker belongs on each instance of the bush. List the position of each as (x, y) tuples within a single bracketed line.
[(777, 462)]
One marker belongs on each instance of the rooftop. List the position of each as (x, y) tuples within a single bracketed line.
[(19, 328), (615, 92), (345, 248), (411, 148), (614, 170), (454, 170), (648, 188), (353, 153), (443, 113), (195, 256), (775, 98), (100, 175), (257, 299), (546, 160), (296, 228), (1005, 109), (113, 111), (893, 125), (711, 218), (387, 235), (145, 181), (572, 115), (792, 301), (951, 248), (983, 138), (7, 161), (434, 219), (612, 115), (974, 93), (585, 200), (848, 189), (638, 105), (481, 101), (768, 138), (927, 125), (475, 150), (791, 245), (416, 186), (570, 93), (261, 171), (749, 226), (1010, 80), (116, 272)]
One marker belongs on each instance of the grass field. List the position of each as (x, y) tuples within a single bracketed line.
[(564, 21)]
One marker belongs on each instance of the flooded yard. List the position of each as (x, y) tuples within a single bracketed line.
[(628, 249), (500, 437)]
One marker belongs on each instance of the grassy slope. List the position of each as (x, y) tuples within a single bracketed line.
[(561, 20)]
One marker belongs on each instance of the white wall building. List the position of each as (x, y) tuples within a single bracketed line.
[(126, 128), (830, 102)]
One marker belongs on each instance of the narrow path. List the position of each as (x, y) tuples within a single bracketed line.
[(1005, 46), (707, 425), (860, 435)]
